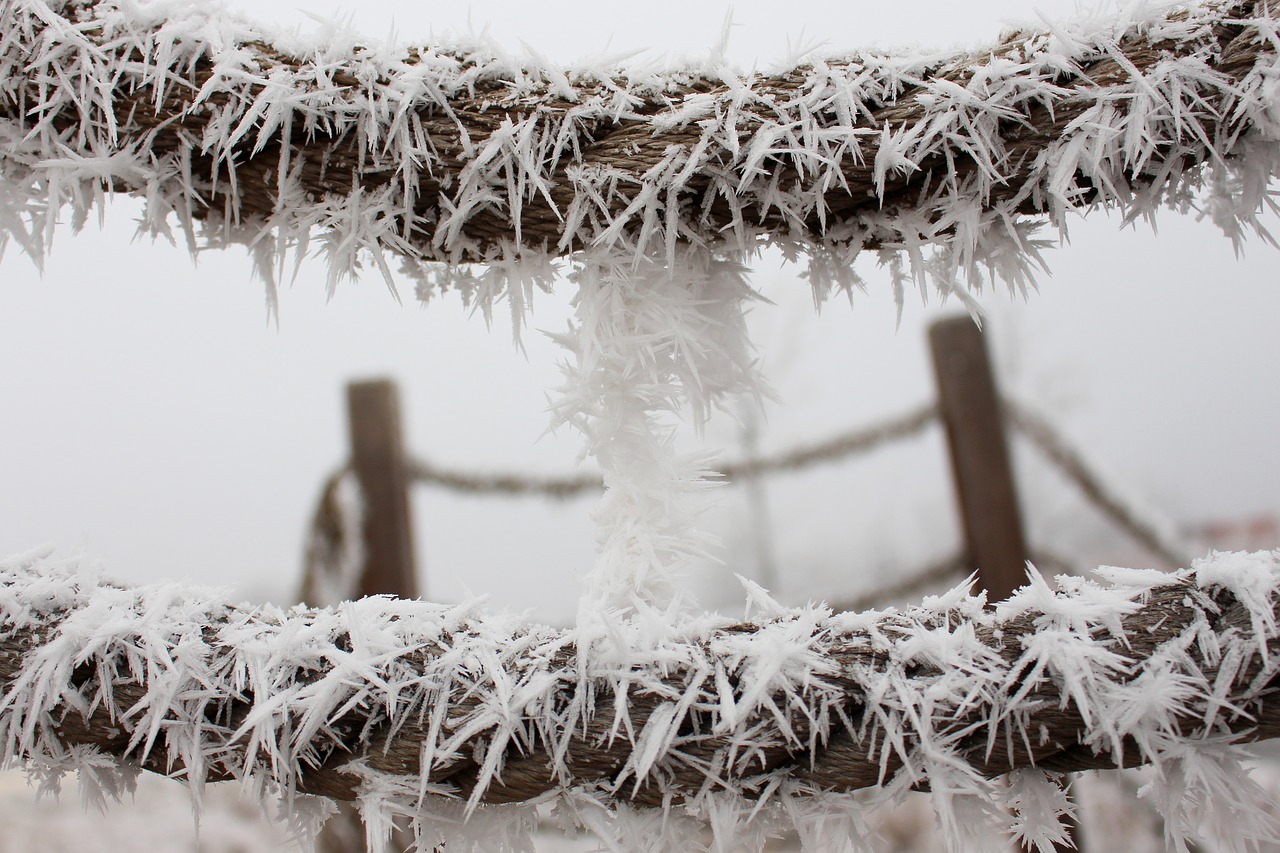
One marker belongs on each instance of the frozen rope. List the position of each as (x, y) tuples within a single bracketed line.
[(944, 162), (407, 707)]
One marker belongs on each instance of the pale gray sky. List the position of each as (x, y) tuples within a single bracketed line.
[(156, 419)]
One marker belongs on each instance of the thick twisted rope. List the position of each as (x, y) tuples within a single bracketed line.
[(438, 154), (420, 699)]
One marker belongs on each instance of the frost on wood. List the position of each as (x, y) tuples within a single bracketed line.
[(749, 728), (945, 163)]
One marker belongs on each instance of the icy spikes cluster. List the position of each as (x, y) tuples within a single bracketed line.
[(943, 163), (655, 340), (717, 738)]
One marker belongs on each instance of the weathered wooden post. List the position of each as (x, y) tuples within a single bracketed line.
[(988, 501), (378, 459), (969, 404)]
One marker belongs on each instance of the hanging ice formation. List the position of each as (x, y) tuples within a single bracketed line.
[(655, 341), (655, 734)]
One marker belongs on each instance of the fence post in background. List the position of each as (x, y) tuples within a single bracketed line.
[(994, 541), (378, 459), (970, 410)]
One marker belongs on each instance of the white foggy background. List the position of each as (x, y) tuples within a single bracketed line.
[(153, 417)]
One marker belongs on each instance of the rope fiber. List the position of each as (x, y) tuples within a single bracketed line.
[(836, 729)]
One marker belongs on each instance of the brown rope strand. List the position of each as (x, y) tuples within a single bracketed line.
[(842, 758), (340, 164)]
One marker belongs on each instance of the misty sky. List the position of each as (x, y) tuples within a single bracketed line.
[(155, 418)]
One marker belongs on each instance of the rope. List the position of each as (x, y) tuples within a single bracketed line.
[(508, 483), (440, 155), (487, 709), (854, 442), (1042, 435), (1069, 461), (859, 440), (334, 557), (946, 162)]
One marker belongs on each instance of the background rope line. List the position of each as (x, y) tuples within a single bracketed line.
[(855, 441), (1066, 459), (1047, 439)]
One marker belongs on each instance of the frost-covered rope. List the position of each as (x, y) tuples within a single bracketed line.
[(434, 711), (943, 161)]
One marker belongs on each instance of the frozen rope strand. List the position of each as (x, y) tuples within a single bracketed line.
[(945, 162), (395, 703)]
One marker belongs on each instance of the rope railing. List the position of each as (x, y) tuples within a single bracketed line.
[(333, 559), (436, 154), (1071, 463), (428, 473), (946, 163), (408, 706)]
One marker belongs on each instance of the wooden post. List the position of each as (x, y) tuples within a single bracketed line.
[(970, 408), (378, 458), (969, 404)]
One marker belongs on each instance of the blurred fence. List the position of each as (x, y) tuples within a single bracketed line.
[(356, 498)]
